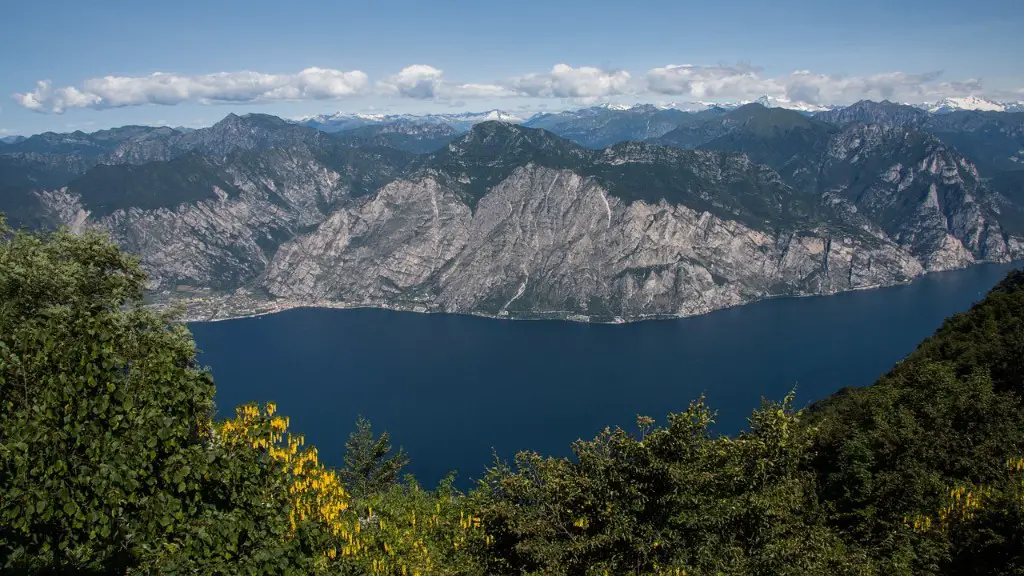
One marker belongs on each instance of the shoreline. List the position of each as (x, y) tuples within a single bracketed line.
[(560, 316)]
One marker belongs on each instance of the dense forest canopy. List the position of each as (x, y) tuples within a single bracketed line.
[(111, 462)]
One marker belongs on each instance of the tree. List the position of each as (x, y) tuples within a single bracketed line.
[(670, 498), (368, 468), (945, 420), (103, 410)]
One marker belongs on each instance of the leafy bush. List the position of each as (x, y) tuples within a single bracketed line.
[(668, 499), (104, 414)]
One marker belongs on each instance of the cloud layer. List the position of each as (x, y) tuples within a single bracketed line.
[(170, 89), (564, 81), (747, 83), (684, 82), (425, 82)]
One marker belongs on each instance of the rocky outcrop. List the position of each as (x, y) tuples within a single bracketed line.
[(548, 241), (218, 244), (919, 192)]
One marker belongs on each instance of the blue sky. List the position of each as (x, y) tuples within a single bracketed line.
[(296, 58)]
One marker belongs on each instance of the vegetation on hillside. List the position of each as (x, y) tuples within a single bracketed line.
[(111, 462)]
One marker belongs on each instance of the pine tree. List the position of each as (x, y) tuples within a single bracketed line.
[(368, 467)]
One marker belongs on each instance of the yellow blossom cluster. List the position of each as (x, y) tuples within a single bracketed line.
[(1015, 464), (315, 493), (961, 504), (410, 542), (468, 521), (383, 542), (918, 523)]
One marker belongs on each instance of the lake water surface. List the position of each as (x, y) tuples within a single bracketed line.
[(450, 389)]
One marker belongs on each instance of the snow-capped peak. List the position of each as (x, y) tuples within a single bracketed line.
[(965, 103), (500, 115), (460, 121), (692, 106), (766, 100), (780, 102)]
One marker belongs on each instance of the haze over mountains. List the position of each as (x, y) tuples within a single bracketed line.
[(605, 213)]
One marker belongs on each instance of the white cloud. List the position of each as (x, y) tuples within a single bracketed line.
[(477, 91), (170, 89), (564, 81), (416, 81), (582, 85), (805, 86), (710, 82), (424, 82), (743, 82)]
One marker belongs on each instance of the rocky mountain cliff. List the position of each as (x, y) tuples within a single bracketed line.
[(257, 214)]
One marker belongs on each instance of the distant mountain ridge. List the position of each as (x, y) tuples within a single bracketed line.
[(461, 122), (596, 126)]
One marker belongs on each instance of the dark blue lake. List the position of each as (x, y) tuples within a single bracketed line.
[(451, 388)]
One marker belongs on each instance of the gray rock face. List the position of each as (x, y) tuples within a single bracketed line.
[(548, 241), (933, 203), (218, 244)]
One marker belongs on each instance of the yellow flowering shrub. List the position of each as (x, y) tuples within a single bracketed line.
[(963, 502), (404, 531)]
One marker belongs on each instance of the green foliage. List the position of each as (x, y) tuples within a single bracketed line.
[(186, 179), (103, 410), (369, 469), (949, 414), (666, 498), (432, 529)]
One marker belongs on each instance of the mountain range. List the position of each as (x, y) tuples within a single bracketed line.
[(464, 121), (608, 213), (460, 122)]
